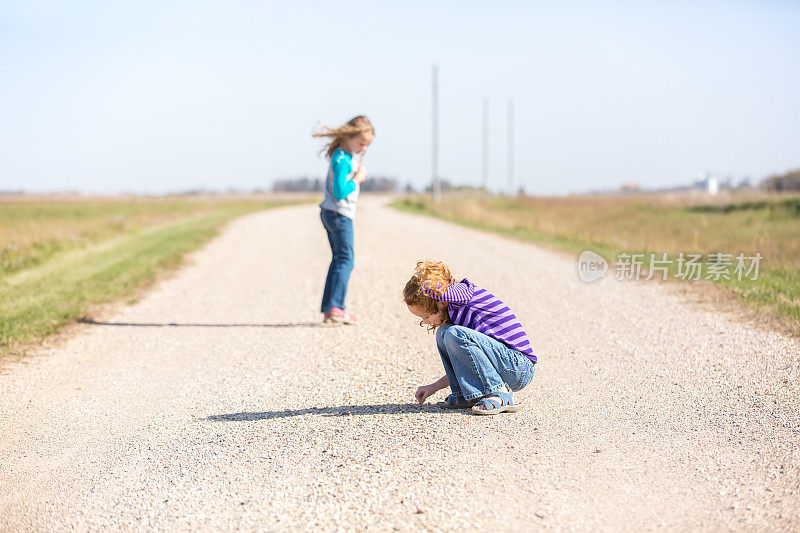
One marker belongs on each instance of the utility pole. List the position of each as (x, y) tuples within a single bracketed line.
[(437, 186), (485, 147), (510, 141)]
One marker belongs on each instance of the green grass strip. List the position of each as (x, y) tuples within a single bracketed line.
[(37, 301)]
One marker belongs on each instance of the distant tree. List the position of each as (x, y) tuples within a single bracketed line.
[(379, 184), (304, 184), (443, 183), (783, 182)]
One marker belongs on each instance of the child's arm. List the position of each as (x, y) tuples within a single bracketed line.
[(457, 293), (441, 383), (342, 186), (425, 391), (360, 175)]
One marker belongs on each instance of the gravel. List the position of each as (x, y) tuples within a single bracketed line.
[(644, 413)]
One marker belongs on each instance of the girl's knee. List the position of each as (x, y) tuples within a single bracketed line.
[(443, 333), (455, 337), (344, 257), (455, 332)]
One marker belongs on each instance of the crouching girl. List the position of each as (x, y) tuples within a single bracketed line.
[(484, 350)]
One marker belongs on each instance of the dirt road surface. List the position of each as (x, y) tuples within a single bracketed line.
[(218, 402)]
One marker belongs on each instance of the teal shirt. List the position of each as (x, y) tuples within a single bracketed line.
[(341, 192), (342, 166)]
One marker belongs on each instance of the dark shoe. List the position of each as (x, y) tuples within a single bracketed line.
[(455, 402)]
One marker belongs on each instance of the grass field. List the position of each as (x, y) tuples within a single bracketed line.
[(658, 224), (61, 255)]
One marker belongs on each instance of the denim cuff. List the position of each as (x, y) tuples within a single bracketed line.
[(487, 392)]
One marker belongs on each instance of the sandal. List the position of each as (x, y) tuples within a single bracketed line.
[(452, 402), (502, 403)]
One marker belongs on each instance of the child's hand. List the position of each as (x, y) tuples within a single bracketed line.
[(360, 175), (423, 392)]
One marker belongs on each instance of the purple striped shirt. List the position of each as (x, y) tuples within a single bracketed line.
[(478, 309)]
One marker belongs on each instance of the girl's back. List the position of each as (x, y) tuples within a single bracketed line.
[(476, 308)]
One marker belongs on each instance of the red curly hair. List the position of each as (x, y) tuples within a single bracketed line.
[(430, 277)]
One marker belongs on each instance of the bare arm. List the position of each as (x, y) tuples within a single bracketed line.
[(441, 383), (425, 391)]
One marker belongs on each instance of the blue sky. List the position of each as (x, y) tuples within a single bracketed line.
[(106, 97)]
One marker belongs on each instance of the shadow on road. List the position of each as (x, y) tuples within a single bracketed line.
[(201, 325), (343, 410)]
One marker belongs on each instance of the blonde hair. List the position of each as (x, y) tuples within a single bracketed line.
[(431, 277), (353, 127)]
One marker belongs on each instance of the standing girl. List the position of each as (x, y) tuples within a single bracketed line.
[(338, 209), (484, 350)]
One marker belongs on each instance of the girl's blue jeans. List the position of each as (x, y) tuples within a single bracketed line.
[(478, 365), (340, 236)]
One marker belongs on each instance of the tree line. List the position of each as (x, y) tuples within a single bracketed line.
[(783, 182), (305, 184)]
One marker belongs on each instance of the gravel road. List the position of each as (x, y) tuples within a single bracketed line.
[(219, 402)]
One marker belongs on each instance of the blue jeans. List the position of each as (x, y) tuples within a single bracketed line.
[(478, 365), (340, 237)]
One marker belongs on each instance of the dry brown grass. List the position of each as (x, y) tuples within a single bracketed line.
[(693, 223)]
